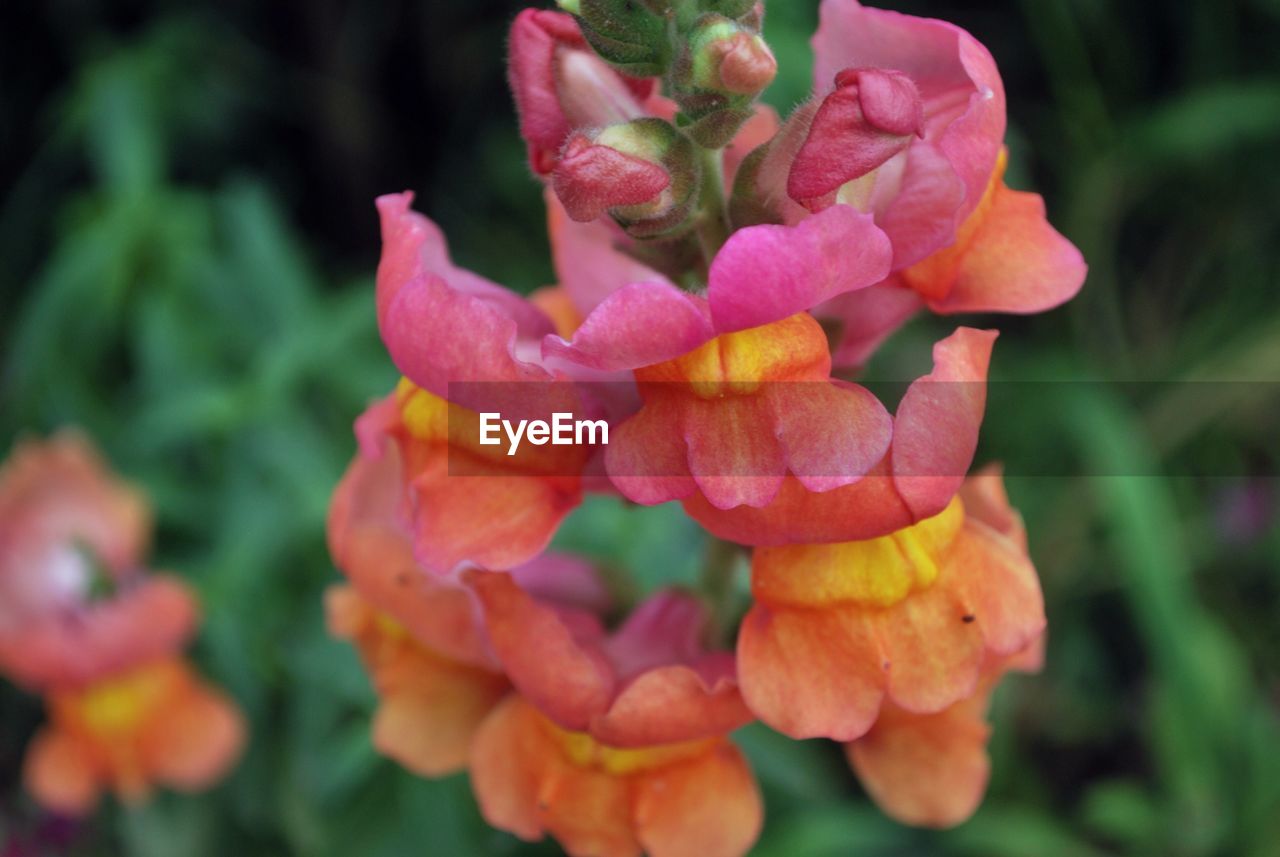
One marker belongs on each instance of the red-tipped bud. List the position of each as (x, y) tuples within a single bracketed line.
[(721, 68), (739, 63), (591, 179), (733, 61), (643, 173), (560, 84), (870, 117)]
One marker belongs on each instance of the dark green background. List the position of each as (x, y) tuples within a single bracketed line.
[(187, 242)]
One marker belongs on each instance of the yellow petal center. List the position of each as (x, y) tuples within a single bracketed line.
[(877, 572)]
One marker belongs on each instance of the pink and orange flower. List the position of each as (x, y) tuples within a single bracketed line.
[(126, 712), (889, 593)]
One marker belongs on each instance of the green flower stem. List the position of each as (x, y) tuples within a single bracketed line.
[(717, 582), (713, 215)]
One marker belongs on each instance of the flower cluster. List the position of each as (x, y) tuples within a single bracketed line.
[(720, 271), (86, 627)]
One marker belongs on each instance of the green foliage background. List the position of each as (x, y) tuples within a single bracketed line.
[(187, 242)]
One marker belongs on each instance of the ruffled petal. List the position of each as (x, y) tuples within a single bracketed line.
[(496, 521), (831, 434), (935, 434), (524, 785), (706, 807), (194, 739), (1016, 263), (927, 770), (811, 673), (936, 427), (60, 774), (670, 704), (441, 323), (767, 273), (734, 453), (638, 325), (647, 459), (429, 710), (376, 555), (151, 619), (570, 683)]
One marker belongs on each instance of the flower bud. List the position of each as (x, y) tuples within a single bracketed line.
[(632, 36), (871, 116), (560, 84), (643, 173), (724, 65), (730, 59)]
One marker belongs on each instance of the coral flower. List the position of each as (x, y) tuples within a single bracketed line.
[(416, 633), (464, 501), (126, 713), (615, 743), (68, 528), (730, 419), (910, 617), (935, 433), (931, 770), (532, 777), (155, 724), (907, 125)]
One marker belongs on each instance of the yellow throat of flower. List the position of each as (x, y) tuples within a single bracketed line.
[(875, 572), (738, 363), (586, 752)]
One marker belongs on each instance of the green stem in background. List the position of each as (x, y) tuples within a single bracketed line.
[(719, 572), (713, 216)]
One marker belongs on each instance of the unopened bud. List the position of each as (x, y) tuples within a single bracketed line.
[(730, 59), (723, 66), (870, 117), (631, 36), (560, 84), (643, 173)]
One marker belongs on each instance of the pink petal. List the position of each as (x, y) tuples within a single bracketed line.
[(936, 428), (441, 323), (1017, 262), (767, 273), (831, 434), (639, 325)]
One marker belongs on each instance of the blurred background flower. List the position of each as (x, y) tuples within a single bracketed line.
[(188, 242)]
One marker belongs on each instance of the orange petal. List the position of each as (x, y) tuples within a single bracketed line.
[(934, 655), (430, 709), (986, 500), (734, 453), (524, 785), (587, 811), (811, 673), (568, 682), (1017, 262), (706, 807), (60, 773), (491, 520), (997, 584), (928, 770), (193, 741), (669, 704), (149, 621)]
